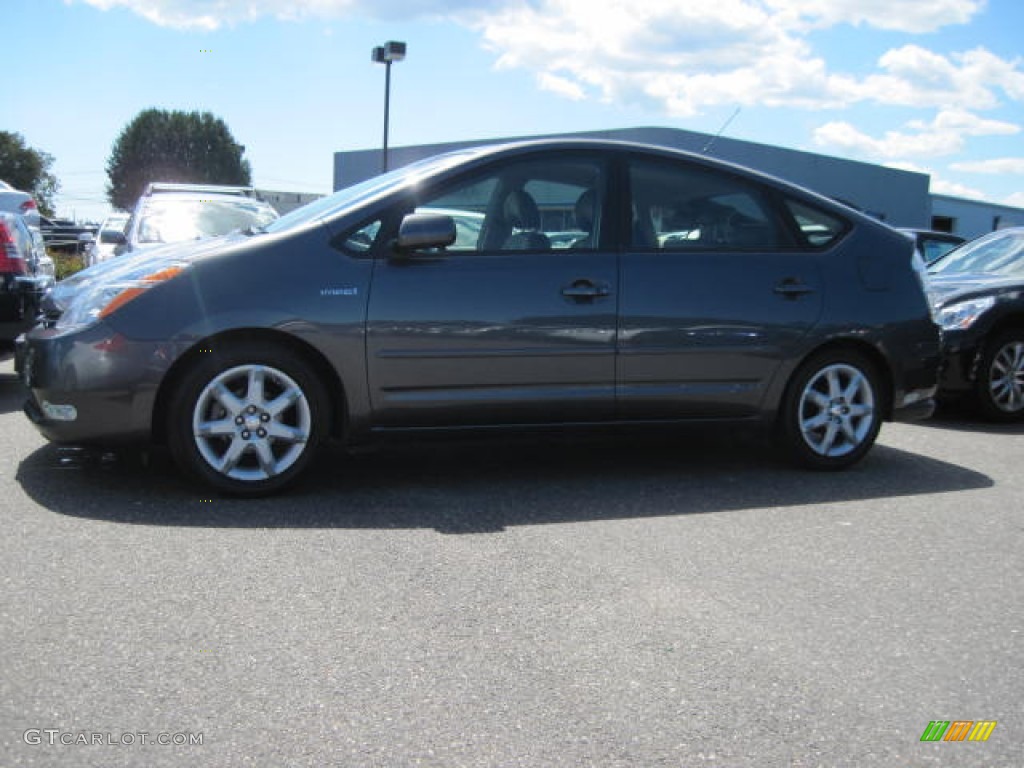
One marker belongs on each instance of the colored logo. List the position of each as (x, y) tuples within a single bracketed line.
[(958, 730)]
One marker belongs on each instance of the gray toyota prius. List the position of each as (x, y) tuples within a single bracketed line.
[(601, 283)]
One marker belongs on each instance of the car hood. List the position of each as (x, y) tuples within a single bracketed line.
[(64, 292), (947, 289)]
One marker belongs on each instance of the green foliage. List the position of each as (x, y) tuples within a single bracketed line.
[(28, 169), (65, 264), (173, 146)]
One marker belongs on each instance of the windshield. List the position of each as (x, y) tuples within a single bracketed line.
[(1000, 253), (173, 220), (115, 222), (348, 197)]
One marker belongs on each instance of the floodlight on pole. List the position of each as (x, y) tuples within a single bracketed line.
[(385, 54)]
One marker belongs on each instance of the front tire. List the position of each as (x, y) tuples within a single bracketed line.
[(1000, 385), (832, 411), (247, 419)]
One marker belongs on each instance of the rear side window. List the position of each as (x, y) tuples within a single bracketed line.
[(677, 207), (817, 228)]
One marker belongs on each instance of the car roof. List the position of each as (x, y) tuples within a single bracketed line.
[(513, 148), (162, 187), (203, 197)]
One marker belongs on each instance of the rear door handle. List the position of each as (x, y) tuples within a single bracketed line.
[(792, 288), (585, 289)]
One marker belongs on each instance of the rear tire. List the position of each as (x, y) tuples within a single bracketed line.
[(999, 389), (247, 419), (832, 411)]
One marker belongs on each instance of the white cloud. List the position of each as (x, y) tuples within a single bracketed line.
[(561, 86), (213, 14), (680, 58), (944, 135), (1016, 200), (913, 16), (916, 77), (939, 185), (999, 165)]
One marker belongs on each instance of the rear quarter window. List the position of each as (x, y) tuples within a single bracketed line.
[(816, 227)]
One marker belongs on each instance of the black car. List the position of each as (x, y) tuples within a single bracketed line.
[(696, 290), (978, 295)]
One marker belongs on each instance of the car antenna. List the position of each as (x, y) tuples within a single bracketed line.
[(721, 130)]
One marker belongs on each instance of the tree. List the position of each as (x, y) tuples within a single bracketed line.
[(28, 169), (176, 146)]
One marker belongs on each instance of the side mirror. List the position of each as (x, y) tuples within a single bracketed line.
[(112, 237), (425, 230)]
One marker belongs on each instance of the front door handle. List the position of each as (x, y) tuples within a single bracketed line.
[(585, 289), (793, 288)]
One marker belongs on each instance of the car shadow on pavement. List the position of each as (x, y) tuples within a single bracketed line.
[(484, 487), (960, 416)]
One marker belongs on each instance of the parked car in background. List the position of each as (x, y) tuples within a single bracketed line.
[(64, 235), (978, 297), (110, 233), (15, 201), (171, 213), (362, 314), (26, 272), (933, 245)]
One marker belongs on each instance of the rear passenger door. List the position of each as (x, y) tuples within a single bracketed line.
[(714, 293)]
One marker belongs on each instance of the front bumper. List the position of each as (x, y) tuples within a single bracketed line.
[(90, 387)]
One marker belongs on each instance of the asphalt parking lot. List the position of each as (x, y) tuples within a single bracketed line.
[(617, 602)]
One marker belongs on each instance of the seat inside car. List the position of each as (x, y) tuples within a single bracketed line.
[(523, 217)]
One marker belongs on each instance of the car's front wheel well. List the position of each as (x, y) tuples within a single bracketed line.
[(1014, 322), (208, 346)]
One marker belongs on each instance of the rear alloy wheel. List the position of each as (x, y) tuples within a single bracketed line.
[(1000, 385), (248, 421), (832, 412)]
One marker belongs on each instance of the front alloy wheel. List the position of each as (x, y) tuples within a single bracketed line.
[(1001, 383), (249, 421), (832, 412)]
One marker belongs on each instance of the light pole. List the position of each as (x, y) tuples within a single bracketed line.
[(385, 54)]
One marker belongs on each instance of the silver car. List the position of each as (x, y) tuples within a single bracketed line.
[(111, 232), (15, 201)]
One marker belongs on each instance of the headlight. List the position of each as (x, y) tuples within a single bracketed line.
[(962, 315), (103, 297)]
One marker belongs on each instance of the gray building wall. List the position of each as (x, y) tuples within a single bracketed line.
[(898, 197), (972, 218), (284, 202)]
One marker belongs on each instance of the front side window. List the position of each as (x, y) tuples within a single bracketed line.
[(525, 205), (678, 207)]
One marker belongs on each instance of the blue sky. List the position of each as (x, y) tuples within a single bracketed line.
[(929, 85)]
